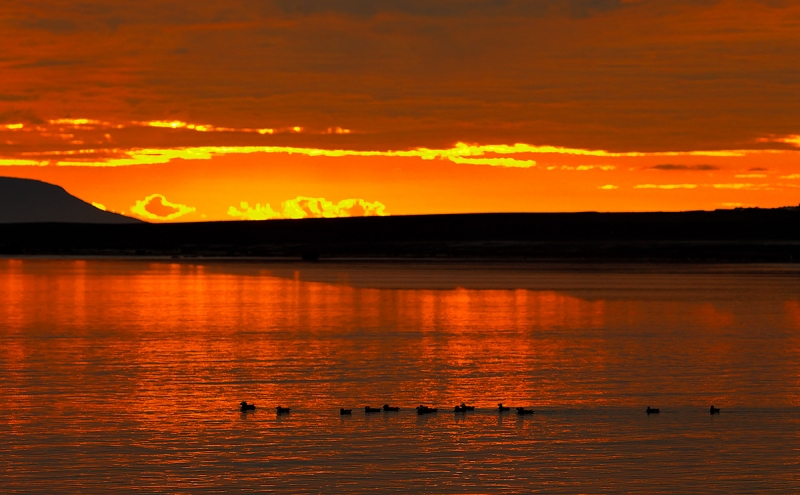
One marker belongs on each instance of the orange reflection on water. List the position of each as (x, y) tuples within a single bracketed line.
[(149, 359), (311, 342)]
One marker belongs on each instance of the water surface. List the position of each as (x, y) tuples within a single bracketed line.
[(126, 375)]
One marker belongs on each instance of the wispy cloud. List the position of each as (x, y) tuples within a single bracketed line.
[(449, 9), (676, 166), (739, 186), (792, 139), (494, 162), (57, 139), (665, 186)]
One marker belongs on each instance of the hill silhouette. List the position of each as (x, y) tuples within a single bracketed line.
[(33, 201), (37, 218)]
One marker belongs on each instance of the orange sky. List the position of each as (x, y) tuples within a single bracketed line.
[(182, 111)]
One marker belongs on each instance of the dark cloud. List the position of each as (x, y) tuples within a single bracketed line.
[(23, 116), (46, 63), (757, 169), (451, 8), (604, 74), (16, 97), (672, 166), (53, 25)]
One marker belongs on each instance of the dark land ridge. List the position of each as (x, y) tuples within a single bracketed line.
[(28, 200), (740, 235)]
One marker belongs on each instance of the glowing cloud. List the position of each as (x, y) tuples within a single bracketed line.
[(737, 186), (665, 186), (99, 206), (494, 162), (174, 124), (338, 130), (794, 140), (75, 122), (460, 153), (608, 187), (306, 207), (21, 163), (585, 168), (156, 207), (177, 124), (257, 212)]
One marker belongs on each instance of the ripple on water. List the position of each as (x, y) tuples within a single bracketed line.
[(127, 376)]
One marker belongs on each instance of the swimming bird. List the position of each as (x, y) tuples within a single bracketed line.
[(714, 410), (368, 409), (426, 410), (463, 408), (522, 411), (388, 408), (282, 410), (652, 410), (247, 407), (502, 408), (343, 411)]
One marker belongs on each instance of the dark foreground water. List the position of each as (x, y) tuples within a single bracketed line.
[(125, 376)]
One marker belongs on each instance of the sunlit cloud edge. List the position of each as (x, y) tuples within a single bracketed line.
[(461, 153)]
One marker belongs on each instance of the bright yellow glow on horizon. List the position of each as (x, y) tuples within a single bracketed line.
[(14, 126), (99, 206)]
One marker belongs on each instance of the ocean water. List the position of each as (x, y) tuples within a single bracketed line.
[(125, 377)]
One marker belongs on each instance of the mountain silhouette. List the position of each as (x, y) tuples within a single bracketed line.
[(33, 201)]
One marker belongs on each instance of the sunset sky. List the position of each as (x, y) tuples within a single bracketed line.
[(256, 109)]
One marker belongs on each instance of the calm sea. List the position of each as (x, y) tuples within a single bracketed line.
[(125, 376)]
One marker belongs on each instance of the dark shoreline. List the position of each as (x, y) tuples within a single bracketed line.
[(724, 236)]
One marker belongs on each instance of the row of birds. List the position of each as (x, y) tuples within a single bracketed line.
[(653, 410), (421, 409)]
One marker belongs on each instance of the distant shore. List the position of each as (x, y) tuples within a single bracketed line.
[(724, 236)]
